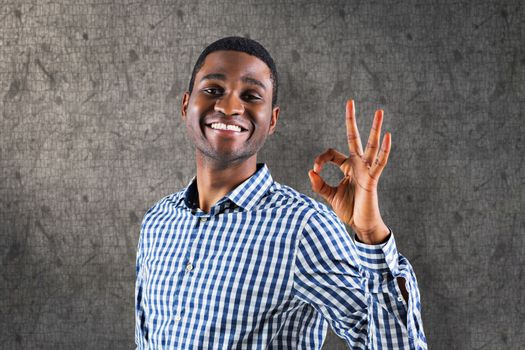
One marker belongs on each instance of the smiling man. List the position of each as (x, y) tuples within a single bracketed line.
[(236, 260)]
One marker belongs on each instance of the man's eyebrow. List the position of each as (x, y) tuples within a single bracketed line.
[(245, 79), (214, 76), (249, 80)]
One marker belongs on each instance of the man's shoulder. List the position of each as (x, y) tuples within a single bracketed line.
[(168, 200), (291, 196), (173, 198), (318, 217)]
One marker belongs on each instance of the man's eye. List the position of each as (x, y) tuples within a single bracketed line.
[(252, 97), (211, 91)]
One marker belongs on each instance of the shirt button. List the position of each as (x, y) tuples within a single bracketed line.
[(177, 318), (189, 267), (399, 299), (203, 219)]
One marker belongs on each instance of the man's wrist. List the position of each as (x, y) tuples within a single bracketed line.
[(377, 236)]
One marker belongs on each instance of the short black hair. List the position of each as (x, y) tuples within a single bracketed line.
[(249, 46)]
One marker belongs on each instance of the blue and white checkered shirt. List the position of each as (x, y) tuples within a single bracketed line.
[(266, 268)]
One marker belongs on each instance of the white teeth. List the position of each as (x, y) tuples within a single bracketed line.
[(233, 127), (223, 126)]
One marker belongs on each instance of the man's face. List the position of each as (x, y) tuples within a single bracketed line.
[(231, 88)]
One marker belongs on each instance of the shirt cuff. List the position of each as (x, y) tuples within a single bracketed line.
[(379, 258)]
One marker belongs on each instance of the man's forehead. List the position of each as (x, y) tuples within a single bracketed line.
[(229, 63)]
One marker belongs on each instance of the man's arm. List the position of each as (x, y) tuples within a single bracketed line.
[(355, 201), (393, 285), (139, 308), (354, 286), (400, 280)]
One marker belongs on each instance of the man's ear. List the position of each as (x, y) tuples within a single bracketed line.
[(273, 122), (184, 106)]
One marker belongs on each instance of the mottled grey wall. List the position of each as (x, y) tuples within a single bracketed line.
[(91, 137)]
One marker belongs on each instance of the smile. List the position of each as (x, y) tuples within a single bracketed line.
[(229, 128)]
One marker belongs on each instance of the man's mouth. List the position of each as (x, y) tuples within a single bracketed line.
[(226, 128)]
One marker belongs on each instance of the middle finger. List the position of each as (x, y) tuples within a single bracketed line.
[(373, 140)]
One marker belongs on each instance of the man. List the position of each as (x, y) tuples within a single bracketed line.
[(236, 260)]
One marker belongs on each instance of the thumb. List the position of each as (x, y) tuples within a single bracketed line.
[(320, 186)]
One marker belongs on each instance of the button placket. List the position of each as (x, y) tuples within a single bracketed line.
[(189, 265)]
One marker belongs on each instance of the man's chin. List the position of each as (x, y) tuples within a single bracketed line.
[(225, 157)]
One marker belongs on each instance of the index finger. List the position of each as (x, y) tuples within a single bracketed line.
[(352, 134)]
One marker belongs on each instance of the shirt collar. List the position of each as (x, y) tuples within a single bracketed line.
[(246, 195)]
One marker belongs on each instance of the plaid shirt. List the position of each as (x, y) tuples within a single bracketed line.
[(266, 268)]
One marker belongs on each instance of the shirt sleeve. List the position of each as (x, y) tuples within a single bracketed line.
[(354, 286), (141, 306), (140, 327)]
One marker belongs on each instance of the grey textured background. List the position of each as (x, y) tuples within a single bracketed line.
[(91, 137)]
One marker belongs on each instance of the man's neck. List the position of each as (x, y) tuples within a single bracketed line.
[(215, 181)]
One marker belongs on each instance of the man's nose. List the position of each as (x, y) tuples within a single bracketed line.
[(229, 104)]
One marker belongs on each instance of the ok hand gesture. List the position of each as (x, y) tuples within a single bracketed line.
[(355, 200)]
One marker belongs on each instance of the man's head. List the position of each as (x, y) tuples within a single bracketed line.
[(230, 108), (249, 46)]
